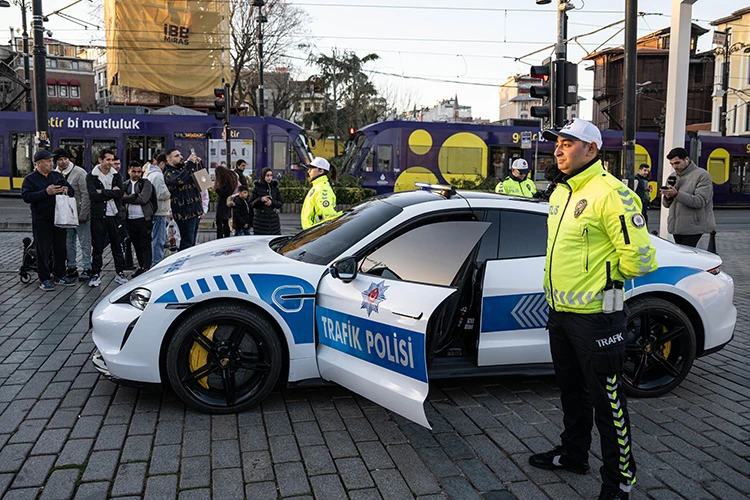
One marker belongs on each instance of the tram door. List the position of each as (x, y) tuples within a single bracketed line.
[(20, 157), (279, 160), (98, 145), (142, 148)]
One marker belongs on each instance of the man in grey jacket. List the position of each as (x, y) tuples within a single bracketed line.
[(155, 175), (690, 200), (76, 177)]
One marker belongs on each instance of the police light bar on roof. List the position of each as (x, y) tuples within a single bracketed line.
[(443, 190)]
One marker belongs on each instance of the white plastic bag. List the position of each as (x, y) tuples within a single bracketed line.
[(173, 235), (66, 212)]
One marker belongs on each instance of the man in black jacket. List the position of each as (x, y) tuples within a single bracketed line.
[(39, 189), (640, 186), (138, 214), (105, 191)]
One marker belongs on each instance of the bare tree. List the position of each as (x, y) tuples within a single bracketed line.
[(283, 21)]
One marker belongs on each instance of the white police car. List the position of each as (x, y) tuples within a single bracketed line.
[(398, 289)]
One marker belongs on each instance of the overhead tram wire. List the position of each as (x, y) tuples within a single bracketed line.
[(437, 7)]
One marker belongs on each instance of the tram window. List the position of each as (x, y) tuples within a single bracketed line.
[(75, 148), (279, 158), (739, 175), (97, 145), (384, 157), (155, 145), (522, 234), (21, 154), (142, 148), (460, 161), (497, 157), (369, 161)]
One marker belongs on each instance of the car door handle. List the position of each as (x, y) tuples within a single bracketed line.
[(410, 316)]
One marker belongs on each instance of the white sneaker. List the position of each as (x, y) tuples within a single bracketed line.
[(120, 278), (96, 280)]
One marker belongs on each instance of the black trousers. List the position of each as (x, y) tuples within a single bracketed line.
[(222, 228), (140, 236), (100, 230), (49, 240), (689, 240), (588, 352)]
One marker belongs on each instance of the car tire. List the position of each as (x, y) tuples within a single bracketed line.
[(660, 347), (224, 358)]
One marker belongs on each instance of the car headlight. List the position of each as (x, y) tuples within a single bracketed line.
[(139, 298)]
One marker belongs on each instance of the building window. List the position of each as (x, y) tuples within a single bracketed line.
[(74, 64), (63, 91), (75, 91), (52, 90), (51, 63)]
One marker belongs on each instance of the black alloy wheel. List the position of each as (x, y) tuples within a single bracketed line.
[(224, 359), (660, 347)]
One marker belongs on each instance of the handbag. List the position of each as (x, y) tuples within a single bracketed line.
[(66, 211)]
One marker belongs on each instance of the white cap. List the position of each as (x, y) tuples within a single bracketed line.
[(576, 129), (520, 164), (320, 163)]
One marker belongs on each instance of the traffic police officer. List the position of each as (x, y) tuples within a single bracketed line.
[(516, 184), (597, 239), (320, 201)]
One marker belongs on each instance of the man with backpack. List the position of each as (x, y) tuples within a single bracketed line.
[(139, 206)]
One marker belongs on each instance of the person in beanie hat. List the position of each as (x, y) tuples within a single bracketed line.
[(76, 177)]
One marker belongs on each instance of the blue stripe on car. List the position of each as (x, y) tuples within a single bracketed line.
[(669, 275), (221, 283), (300, 316), (514, 312), (187, 291), (238, 283), (168, 297), (203, 285)]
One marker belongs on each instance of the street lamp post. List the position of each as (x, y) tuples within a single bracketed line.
[(25, 34), (261, 19)]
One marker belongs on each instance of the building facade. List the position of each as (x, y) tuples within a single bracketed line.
[(651, 94), (738, 91)]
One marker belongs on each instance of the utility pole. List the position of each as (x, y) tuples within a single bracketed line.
[(26, 66), (40, 76), (629, 81), (561, 53), (724, 85)]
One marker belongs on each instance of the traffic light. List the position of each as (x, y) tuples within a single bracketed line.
[(545, 92), (352, 130), (223, 104), (317, 83), (570, 84)]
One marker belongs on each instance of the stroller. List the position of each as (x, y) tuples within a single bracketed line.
[(28, 263)]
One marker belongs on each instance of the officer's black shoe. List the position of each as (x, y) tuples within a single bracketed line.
[(613, 494), (557, 459)]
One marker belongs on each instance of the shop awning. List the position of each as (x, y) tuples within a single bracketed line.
[(51, 81), (75, 83)]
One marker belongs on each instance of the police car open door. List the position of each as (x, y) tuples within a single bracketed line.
[(373, 312)]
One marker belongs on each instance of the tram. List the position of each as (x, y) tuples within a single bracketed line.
[(391, 156), (278, 144)]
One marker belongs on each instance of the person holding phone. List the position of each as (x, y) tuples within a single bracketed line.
[(690, 198), (186, 200), (266, 201), (39, 190)]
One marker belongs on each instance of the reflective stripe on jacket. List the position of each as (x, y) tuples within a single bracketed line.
[(320, 203), (513, 187), (593, 219)]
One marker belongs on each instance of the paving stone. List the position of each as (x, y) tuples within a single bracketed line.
[(75, 452), (60, 485), (390, 484), (340, 444), (438, 462), (111, 437), (161, 488), (130, 479), (354, 473), (227, 484), (277, 423), (223, 427), (169, 432), (284, 448), (195, 472), (28, 432), (166, 460), (34, 471), (367, 494), (12, 456), (327, 486), (136, 449), (261, 491), (87, 427), (142, 423), (460, 488), (417, 475), (50, 442), (308, 433), (318, 460), (22, 494), (375, 455), (201, 494), (101, 466), (290, 477), (253, 438), (257, 466)]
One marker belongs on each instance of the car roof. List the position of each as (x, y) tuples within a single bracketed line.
[(405, 199)]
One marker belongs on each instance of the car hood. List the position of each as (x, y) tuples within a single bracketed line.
[(669, 254)]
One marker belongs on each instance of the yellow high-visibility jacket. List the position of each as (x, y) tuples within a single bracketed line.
[(593, 219), (512, 186), (320, 203)]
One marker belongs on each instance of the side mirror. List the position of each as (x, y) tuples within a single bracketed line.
[(344, 269)]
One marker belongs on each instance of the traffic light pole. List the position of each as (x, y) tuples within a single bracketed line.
[(629, 80), (228, 135), (560, 111)]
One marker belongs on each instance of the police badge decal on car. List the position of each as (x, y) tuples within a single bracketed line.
[(373, 296)]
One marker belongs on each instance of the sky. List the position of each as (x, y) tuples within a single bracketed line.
[(437, 49)]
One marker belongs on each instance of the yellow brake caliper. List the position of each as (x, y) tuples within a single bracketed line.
[(666, 348), (199, 355)]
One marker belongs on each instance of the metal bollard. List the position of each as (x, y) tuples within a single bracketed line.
[(712, 242)]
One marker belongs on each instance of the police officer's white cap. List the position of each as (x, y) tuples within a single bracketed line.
[(520, 164), (576, 129), (320, 163)]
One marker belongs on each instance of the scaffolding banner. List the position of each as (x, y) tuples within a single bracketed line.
[(177, 47)]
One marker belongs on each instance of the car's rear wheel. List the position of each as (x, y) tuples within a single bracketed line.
[(660, 347), (224, 358)]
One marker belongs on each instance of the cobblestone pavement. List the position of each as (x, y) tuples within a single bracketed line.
[(67, 433)]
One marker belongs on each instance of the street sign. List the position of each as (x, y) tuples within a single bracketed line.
[(525, 140), (720, 38)]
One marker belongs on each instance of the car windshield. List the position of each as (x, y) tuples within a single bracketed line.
[(323, 243)]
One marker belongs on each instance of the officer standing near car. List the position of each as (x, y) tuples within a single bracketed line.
[(516, 184), (320, 201), (597, 239)]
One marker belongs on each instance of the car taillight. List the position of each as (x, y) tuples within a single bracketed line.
[(716, 270)]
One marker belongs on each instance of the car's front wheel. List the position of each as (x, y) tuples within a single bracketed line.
[(224, 358), (660, 347)]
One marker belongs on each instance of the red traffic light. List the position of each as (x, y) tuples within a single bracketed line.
[(541, 72), (352, 130), (219, 92)]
